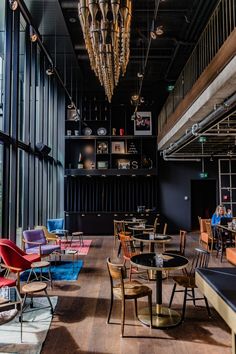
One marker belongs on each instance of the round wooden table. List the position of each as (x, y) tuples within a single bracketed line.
[(162, 317), (156, 239)]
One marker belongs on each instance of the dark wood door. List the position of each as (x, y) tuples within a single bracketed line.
[(203, 200)]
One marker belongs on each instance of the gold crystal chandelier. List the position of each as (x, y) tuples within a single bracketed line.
[(106, 30)]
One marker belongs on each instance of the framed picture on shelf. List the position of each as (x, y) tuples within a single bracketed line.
[(102, 147), (102, 165), (117, 147), (143, 123), (123, 164)]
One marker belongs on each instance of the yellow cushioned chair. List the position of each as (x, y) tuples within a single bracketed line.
[(49, 235)]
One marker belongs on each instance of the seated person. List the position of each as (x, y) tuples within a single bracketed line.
[(229, 213), (219, 212)]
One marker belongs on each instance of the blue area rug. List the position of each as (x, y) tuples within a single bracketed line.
[(59, 271)]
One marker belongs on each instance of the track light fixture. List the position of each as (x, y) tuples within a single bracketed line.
[(33, 34), (50, 71), (13, 4), (156, 31)]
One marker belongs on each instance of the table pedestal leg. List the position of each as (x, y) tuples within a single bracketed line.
[(162, 317)]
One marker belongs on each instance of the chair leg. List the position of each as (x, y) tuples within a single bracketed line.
[(136, 307), (207, 307), (172, 295), (184, 303), (130, 272), (111, 305), (150, 308), (119, 250), (49, 300), (122, 317), (193, 295)]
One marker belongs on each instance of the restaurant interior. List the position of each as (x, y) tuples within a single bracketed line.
[(117, 176)]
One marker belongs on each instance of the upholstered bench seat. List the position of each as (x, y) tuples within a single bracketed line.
[(223, 281), (231, 255)]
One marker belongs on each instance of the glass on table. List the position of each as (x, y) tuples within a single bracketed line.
[(151, 236), (158, 260)]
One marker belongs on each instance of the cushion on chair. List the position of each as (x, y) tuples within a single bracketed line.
[(185, 281), (7, 282), (231, 255), (55, 224), (32, 258), (34, 236), (45, 249), (132, 289)]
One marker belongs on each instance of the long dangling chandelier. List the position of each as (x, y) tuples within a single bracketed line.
[(106, 30)]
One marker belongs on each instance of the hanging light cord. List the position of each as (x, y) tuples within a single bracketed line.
[(157, 3)]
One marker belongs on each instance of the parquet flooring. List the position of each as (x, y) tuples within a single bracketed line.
[(79, 324)]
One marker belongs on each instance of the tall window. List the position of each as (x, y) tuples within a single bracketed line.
[(1, 174), (2, 56), (21, 86)]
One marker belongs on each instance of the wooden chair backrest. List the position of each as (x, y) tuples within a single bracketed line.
[(200, 260), (209, 229), (127, 246), (156, 224), (182, 244), (119, 226), (202, 223), (164, 229), (117, 273)]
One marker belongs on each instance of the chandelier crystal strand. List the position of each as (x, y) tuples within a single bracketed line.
[(106, 30)]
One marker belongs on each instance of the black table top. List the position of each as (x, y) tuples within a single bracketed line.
[(223, 281), (170, 261), (157, 237)]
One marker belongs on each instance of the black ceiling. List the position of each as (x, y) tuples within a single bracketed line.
[(183, 22)]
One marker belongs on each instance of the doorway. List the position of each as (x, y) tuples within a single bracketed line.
[(203, 200)]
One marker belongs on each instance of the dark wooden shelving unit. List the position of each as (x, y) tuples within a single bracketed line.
[(112, 183)]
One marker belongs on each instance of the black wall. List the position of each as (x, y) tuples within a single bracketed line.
[(174, 185)]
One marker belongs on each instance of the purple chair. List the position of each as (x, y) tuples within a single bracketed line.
[(36, 243)]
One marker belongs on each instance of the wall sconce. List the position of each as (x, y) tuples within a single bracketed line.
[(13, 4), (33, 34)]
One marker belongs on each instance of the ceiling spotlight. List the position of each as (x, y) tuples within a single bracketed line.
[(50, 71), (72, 20), (140, 75), (33, 34), (70, 105), (141, 100), (135, 97), (13, 4), (159, 30)]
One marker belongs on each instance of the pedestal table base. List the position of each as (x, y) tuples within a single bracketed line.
[(167, 318)]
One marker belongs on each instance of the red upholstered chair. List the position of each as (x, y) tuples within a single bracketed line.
[(15, 259)]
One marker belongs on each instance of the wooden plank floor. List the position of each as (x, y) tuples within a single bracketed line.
[(79, 324)]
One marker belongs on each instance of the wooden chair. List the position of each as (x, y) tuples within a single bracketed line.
[(119, 228), (126, 290), (129, 251), (187, 281), (182, 244)]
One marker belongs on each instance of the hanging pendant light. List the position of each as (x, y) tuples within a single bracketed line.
[(106, 30)]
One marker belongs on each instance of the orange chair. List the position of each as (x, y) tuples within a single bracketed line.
[(204, 237), (231, 255), (129, 251)]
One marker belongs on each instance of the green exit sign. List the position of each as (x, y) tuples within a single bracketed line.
[(202, 139), (170, 88), (203, 174)]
